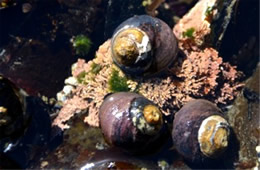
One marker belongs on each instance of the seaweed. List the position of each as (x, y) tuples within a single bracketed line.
[(82, 45), (208, 11), (95, 68), (189, 33), (117, 83), (81, 77)]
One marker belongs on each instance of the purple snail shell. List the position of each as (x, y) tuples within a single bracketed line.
[(131, 122), (200, 132), (143, 45)]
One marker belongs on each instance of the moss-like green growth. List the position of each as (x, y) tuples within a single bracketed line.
[(117, 83), (95, 68), (189, 33), (82, 45), (81, 77), (209, 11), (84, 76), (146, 2)]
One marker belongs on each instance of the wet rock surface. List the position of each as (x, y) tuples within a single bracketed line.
[(36, 53), (24, 61), (244, 119), (242, 31)]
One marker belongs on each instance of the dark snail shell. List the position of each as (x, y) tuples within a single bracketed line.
[(12, 118), (200, 132), (131, 122), (25, 126), (143, 45)]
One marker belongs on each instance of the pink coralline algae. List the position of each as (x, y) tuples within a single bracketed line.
[(200, 74)]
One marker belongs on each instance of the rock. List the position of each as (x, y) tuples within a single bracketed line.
[(71, 81), (34, 66), (120, 10), (35, 48), (242, 31), (244, 118), (217, 24)]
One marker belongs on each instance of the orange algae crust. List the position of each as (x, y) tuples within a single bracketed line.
[(200, 74)]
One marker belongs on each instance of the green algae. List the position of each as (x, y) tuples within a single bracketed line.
[(82, 45), (117, 83), (189, 33)]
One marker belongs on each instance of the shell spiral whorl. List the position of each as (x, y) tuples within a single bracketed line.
[(131, 122), (200, 131), (144, 45), (213, 136)]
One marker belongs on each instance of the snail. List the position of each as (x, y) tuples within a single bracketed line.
[(143, 45), (200, 132), (25, 126), (131, 122), (12, 116)]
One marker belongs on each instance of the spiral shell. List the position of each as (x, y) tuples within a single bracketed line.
[(12, 116), (25, 126), (200, 131), (130, 121), (143, 45)]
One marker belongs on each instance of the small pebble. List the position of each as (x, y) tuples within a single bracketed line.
[(67, 89), (44, 164), (61, 97), (100, 146), (74, 66), (71, 81), (163, 164), (26, 7), (258, 152)]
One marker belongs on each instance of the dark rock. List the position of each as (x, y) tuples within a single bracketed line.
[(236, 34), (244, 118), (120, 10), (35, 48), (35, 67)]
